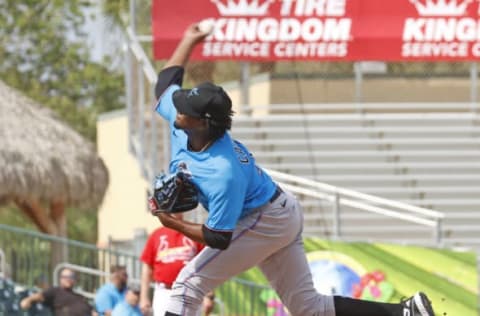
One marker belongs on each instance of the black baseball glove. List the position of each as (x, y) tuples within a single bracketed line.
[(174, 193)]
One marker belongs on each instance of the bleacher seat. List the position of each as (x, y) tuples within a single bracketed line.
[(425, 159)]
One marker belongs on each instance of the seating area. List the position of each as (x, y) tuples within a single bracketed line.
[(431, 160)]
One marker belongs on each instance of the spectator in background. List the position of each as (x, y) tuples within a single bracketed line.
[(129, 306), (164, 255), (113, 292), (62, 300)]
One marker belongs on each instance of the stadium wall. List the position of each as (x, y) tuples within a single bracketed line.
[(265, 89), (124, 207)]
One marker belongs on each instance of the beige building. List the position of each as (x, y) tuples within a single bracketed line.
[(124, 209)]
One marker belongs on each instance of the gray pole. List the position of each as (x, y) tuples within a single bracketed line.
[(336, 216), (133, 21), (129, 92), (154, 139), (358, 84), (473, 86), (438, 233), (245, 86), (141, 117)]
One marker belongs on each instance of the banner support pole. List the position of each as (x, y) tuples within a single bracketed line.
[(358, 84), (245, 87), (473, 86), (133, 20)]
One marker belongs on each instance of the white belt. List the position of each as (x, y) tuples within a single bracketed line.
[(160, 285)]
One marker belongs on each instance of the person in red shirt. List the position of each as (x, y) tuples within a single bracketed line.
[(164, 255)]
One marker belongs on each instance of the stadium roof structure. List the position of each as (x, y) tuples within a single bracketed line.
[(45, 166)]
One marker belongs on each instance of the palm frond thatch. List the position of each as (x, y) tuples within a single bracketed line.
[(43, 159)]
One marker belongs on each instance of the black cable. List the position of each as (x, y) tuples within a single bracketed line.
[(308, 137)]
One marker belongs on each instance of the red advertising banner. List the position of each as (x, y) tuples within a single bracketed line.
[(266, 30)]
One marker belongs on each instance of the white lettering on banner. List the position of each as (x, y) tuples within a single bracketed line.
[(313, 7), (476, 49), (294, 50), (305, 28), (441, 29), (270, 30), (228, 49), (267, 30), (282, 50), (435, 49), (289, 30)]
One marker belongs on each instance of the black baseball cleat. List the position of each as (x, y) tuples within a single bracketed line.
[(417, 305)]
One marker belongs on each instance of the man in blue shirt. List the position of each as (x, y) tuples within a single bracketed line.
[(110, 294), (251, 220), (129, 306)]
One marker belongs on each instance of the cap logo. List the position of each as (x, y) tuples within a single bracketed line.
[(193, 92)]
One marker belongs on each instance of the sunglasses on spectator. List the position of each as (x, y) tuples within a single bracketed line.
[(68, 276)]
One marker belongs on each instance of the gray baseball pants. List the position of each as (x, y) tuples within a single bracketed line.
[(270, 238)]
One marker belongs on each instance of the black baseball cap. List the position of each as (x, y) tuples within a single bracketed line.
[(206, 100)]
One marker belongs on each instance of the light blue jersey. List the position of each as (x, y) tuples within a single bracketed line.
[(107, 297), (125, 309), (229, 182)]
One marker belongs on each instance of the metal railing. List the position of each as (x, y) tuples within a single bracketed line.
[(339, 197), (148, 134), (102, 275), (29, 255), (367, 107)]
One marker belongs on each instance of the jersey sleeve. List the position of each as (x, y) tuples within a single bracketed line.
[(148, 254), (225, 204), (167, 77), (165, 105)]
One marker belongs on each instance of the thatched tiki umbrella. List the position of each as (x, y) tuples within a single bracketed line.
[(45, 166)]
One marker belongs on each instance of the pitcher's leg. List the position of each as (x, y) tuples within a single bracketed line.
[(212, 267), (256, 237), (289, 274)]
